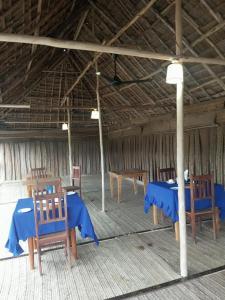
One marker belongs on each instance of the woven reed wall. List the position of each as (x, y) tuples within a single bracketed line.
[(204, 152), (17, 158)]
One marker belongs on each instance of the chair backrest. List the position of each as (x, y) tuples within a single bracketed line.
[(166, 174), (76, 179), (49, 207), (38, 173), (201, 189)]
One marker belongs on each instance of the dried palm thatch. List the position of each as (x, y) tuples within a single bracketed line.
[(44, 76)]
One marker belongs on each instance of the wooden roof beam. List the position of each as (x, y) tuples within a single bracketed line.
[(215, 15), (85, 46)]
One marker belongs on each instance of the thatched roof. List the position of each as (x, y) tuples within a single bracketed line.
[(41, 76)]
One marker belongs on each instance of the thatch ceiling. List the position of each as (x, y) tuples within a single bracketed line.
[(41, 76)]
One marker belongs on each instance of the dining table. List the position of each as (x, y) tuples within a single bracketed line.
[(164, 196), (134, 174), (22, 226)]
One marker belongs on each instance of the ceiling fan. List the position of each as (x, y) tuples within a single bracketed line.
[(115, 80)]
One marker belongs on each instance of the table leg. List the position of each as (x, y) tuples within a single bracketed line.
[(29, 191), (161, 216), (119, 182), (155, 215), (217, 220), (31, 252), (177, 231), (135, 185), (111, 185), (73, 242), (145, 182)]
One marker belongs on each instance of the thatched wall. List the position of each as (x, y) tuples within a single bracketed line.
[(204, 152), (17, 158)]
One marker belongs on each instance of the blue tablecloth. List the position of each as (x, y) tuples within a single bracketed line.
[(162, 195), (23, 224)]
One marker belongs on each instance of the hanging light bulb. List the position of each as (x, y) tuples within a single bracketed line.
[(174, 73), (64, 126), (95, 114)]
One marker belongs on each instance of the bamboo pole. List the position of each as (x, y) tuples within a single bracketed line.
[(100, 139), (15, 106), (70, 144), (85, 46), (180, 148)]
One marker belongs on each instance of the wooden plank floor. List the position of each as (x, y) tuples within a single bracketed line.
[(208, 287), (125, 261), (116, 267)]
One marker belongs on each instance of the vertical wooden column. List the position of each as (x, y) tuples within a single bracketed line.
[(70, 144), (180, 148), (100, 139)]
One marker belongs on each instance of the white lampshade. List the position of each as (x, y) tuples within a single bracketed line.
[(64, 126), (174, 73), (95, 114)]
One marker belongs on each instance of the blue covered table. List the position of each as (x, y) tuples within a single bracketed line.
[(23, 225), (165, 196)]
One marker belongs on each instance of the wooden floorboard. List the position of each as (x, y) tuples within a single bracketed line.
[(208, 287), (116, 267)]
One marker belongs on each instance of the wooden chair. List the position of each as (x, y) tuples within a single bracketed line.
[(38, 173), (76, 179), (50, 208), (202, 189), (166, 174)]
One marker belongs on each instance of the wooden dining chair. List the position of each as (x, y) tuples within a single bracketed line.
[(166, 174), (76, 179), (49, 208), (202, 190), (38, 173)]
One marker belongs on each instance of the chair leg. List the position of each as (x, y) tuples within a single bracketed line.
[(39, 260), (65, 249), (73, 243), (193, 227), (200, 223), (68, 250)]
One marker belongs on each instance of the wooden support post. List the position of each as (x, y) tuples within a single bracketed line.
[(180, 149), (70, 144), (100, 139)]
